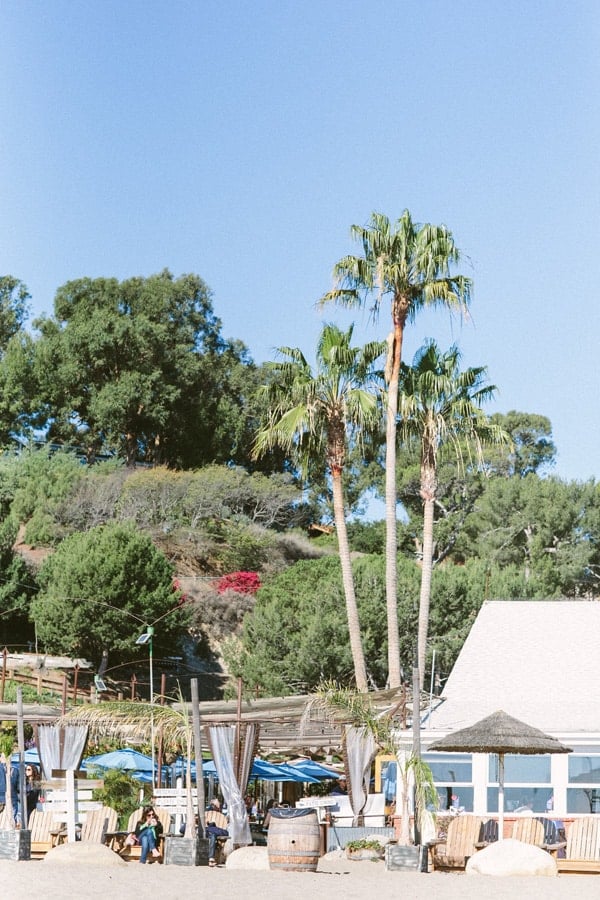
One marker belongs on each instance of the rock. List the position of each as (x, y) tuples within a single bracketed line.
[(84, 853), (383, 839), (510, 857), (248, 858)]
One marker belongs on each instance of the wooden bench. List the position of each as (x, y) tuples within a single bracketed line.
[(460, 844), (528, 830), (97, 823), (45, 830), (583, 847), (116, 840), (214, 817)]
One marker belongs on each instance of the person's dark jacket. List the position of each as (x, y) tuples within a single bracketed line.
[(142, 826), (14, 784)]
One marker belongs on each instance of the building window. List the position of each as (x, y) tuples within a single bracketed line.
[(453, 777), (583, 791), (527, 783)]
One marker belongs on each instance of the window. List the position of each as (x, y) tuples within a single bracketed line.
[(527, 783), (583, 791), (453, 777)]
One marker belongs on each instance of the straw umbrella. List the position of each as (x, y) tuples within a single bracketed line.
[(499, 733)]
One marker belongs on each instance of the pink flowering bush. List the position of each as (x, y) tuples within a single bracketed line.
[(240, 582)]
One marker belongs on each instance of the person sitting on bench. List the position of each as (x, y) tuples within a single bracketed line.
[(214, 830), (147, 832)]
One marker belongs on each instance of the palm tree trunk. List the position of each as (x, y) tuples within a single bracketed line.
[(356, 648), (425, 595), (391, 541)]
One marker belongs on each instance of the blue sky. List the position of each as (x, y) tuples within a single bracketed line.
[(242, 140)]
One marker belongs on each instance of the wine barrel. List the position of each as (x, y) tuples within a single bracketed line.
[(294, 840)]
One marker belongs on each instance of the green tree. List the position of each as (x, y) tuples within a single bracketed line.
[(439, 406), (138, 367), (15, 360), (99, 589), (543, 526), (411, 265), (313, 415), (14, 306), (297, 634), (17, 587), (40, 482), (532, 448)]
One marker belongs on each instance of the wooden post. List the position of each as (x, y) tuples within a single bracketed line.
[(133, 683), (64, 694), (21, 744), (416, 747), (196, 726), (71, 804), (163, 688), (4, 661), (237, 750), (75, 675), (159, 761)]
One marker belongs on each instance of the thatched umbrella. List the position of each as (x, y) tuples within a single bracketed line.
[(499, 733)]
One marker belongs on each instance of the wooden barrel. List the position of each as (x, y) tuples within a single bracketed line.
[(294, 840)]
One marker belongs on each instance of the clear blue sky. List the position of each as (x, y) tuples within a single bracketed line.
[(241, 140)]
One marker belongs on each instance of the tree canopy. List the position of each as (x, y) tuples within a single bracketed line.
[(98, 591), (139, 368)]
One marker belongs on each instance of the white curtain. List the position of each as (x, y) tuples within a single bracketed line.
[(360, 748), (61, 754), (222, 741)]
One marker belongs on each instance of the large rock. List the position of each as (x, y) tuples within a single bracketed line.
[(248, 858), (85, 853), (510, 857)]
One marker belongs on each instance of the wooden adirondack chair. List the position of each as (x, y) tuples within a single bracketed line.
[(529, 831), (129, 852), (463, 834), (583, 847), (44, 832), (7, 819), (97, 823), (488, 834), (219, 819)]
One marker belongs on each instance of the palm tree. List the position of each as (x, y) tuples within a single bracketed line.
[(440, 406), (312, 415), (410, 264)]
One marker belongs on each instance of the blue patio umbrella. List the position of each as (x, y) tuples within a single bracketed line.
[(280, 772), (314, 769), (131, 760), (30, 757), (179, 768)]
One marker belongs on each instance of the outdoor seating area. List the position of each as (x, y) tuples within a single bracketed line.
[(468, 834)]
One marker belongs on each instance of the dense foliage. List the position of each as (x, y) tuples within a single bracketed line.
[(99, 590), (137, 372)]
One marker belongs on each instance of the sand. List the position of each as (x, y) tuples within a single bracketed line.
[(336, 879)]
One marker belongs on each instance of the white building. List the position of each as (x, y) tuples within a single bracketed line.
[(539, 661)]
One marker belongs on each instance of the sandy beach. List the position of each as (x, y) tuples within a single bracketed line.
[(336, 879)]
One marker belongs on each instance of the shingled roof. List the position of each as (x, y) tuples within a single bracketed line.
[(539, 660)]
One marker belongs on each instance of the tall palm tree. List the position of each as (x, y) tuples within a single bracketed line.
[(411, 265), (440, 407), (312, 415)]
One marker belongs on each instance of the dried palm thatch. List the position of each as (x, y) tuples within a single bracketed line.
[(499, 733), (129, 720)]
